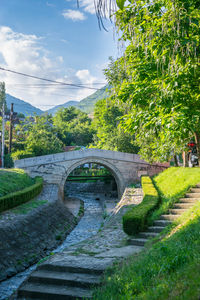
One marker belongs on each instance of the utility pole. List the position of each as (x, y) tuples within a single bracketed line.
[(3, 134), (11, 128)]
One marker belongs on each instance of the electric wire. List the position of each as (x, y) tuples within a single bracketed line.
[(49, 80)]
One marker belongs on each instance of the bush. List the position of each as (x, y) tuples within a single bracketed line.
[(135, 220), (20, 154), (8, 161), (19, 197)]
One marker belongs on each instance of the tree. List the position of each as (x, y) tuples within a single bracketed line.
[(110, 135), (41, 137), (73, 126), (161, 63)]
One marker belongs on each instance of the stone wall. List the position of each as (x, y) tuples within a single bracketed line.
[(27, 237)]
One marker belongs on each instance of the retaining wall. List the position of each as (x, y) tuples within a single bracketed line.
[(25, 238)]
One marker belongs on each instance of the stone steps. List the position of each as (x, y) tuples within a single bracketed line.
[(177, 211), (169, 217), (162, 223), (185, 203), (188, 200), (195, 190), (155, 229), (137, 241), (193, 195), (64, 277), (147, 234), (52, 292)]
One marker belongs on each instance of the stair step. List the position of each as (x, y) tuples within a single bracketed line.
[(193, 195), (188, 200), (169, 217), (162, 223), (69, 279), (93, 267), (147, 235), (52, 292), (137, 242), (198, 185), (177, 211), (183, 205), (195, 190), (155, 229)]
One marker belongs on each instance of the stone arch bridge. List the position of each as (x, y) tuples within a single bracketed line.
[(55, 168)]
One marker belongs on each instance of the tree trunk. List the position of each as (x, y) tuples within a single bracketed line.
[(197, 141), (175, 160), (185, 159)]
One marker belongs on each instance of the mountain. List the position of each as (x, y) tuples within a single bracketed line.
[(65, 105), (87, 104), (21, 106)]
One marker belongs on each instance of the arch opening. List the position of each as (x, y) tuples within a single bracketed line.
[(92, 178), (112, 169)]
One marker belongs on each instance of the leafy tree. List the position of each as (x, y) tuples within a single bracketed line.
[(110, 135), (161, 81), (73, 126), (41, 137)]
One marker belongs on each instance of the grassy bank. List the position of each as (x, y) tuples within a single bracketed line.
[(170, 268), (12, 180), (172, 184)]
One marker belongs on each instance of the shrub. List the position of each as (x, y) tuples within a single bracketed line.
[(19, 197), (8, 161), (20, 154), (135, 219)]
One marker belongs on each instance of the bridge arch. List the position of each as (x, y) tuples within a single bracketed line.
[(112, 168)]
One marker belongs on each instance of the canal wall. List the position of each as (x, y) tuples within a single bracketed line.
[(29, 232)]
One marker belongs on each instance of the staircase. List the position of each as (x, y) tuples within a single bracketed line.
[(69, 278), (158, 225)]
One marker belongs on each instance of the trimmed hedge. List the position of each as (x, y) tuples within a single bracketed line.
[(19, 197), (135, 219)]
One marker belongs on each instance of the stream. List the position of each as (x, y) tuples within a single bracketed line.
[(87, 226)]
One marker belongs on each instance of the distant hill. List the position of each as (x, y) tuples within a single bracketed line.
[(86, 105), (65, 105), (21, 106)]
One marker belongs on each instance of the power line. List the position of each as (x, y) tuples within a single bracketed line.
[(49, 80), (50, 84)]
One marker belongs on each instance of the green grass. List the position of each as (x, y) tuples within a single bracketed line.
[(172, 184), (170, 269), (13, 180)]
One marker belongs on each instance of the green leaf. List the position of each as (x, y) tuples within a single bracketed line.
[(120, 3)]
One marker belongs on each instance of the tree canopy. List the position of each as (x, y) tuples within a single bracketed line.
[(158, 74)]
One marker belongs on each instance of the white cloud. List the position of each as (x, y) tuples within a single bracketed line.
[(74, 15), (24, 53), (85, 77), (88, 6)]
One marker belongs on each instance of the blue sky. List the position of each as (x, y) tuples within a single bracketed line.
[(56, 40)]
